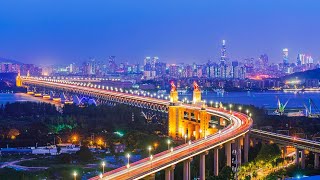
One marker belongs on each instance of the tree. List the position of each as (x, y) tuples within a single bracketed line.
[(58, 149), (226, 173), (84, 154), (65, 158), (268, 153)]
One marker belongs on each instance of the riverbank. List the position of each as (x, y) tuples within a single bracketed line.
[(23, 97)]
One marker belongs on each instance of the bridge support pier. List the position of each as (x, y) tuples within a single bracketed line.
[(150, 177), (203, 166), (246, 144), (239, 153), (172, 173), (296, 161), (228, 153), (316, 160), (303, 159), (284, 151), (167, 174), (186, 169), (216, 161)]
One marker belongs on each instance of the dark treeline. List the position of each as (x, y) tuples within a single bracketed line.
[(20, 109), (105, 117), (27, 123)]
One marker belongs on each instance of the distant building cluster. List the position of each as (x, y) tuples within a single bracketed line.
[(217, 73), (9, 66)]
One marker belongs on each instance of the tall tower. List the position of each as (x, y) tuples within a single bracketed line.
[(196, 93), (173, 93), (18, 80), (223, 53), (285, 56), (174, 113), (299, 59)]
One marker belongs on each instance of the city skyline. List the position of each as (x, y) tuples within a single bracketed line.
[(49, 33), (122, 89)]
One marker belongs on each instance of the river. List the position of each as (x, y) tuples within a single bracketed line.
[(259, 99), (267, 99)]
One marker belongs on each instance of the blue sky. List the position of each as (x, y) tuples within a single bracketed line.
[(56, 31)]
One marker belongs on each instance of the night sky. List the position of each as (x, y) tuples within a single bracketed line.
[(57, 31)]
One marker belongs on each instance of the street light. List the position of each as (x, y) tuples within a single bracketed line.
[(75, 175), (101, 176), (240, 108), (103, 165), (149, 148), (185, 138), (128, 156), (211, 103), (247, 111), (230, 106), (168, 141)]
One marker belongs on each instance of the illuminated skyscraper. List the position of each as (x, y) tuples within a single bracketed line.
[(299, 59), (285, 56), (150, 67), (112, 64), (223, 53)]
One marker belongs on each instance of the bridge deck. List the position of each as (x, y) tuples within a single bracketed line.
[(301, 143)]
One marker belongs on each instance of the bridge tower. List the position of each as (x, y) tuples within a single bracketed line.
[(18, 80), (173, 93), (174, 113), (196, 93)]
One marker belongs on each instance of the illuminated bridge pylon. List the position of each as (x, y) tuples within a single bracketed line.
[(188, 122)]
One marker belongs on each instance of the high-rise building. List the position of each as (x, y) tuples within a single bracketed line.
[(223, 53), (112, 66), (234, 69), (150, 67), (174, 70), (285, 56), (264, 60), (89, 67), (309, 60), (160, 68), (300, 59)]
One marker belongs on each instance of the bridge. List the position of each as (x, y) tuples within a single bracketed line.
[(206, 128), (300, 145)]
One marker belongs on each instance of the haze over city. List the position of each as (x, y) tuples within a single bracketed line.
[(53, 32)]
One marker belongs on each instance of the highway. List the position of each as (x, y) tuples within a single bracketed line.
[(240, 124)]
